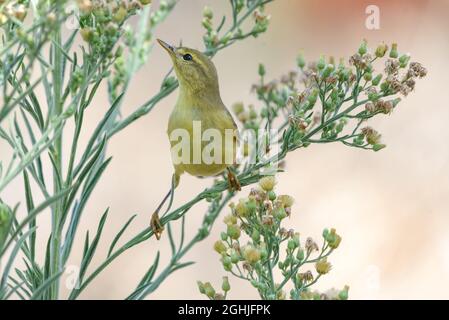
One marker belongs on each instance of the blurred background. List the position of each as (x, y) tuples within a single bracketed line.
[(390, 207)]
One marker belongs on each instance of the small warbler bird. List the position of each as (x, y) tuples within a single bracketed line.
[(198, 101)]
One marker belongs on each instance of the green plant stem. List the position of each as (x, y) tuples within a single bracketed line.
[(175, 260), (55, 242)]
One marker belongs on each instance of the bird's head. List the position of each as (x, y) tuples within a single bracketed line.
[(195, 71)]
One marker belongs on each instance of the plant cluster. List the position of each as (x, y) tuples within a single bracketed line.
[(322, 102), (256, 247)]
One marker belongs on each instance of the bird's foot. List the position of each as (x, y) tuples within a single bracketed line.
[(233, 181), (156, 225)]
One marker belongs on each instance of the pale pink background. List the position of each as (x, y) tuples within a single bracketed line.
[(390, 207)]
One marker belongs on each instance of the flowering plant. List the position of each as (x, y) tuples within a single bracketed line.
[(324, 102)]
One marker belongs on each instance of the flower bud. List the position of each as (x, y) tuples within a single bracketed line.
[(394, 51), (207, 12), (251, 254), (201, 287), (381, 50), (368, 76), (279, 213), (286, 200), (271, 195), (376, 80), (227, 263), (322, 266), (255, 236), (87, 34), (313, 96), (220, 247), (291, 244), (321, 63), (225, 286), (252, 112), (300, 61), (209, 290), (328, 70), (251, 205), (207, 24), (363, 48), (343, 294), (230, 219), (120, 15), (261, 70), (241, 209), (233, 231), (223, 236), (267, 183), (403, 60), (238, 107), (333, 239), (300, 255), (234, 257)]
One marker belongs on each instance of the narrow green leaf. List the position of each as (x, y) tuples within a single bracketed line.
[(119, 234), (38, 293), (87, 257), (12, 257)]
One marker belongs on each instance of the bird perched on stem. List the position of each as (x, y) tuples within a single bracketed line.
[(199, 108)]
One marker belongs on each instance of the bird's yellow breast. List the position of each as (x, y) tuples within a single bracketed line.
[(196, 120)]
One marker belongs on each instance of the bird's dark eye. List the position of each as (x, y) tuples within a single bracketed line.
[(187, 57)]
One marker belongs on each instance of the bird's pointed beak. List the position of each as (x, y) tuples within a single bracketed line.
[(170, 49)]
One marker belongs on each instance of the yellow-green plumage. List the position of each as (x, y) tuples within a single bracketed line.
[(199, 100)]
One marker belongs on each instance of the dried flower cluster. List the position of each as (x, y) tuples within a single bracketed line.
[(326, 98), (255, 245)]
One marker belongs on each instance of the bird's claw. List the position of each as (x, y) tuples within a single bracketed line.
[(156, 225), (233, 181)]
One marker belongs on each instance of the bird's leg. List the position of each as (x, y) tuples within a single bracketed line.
[(233, 181), (155, 222)]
